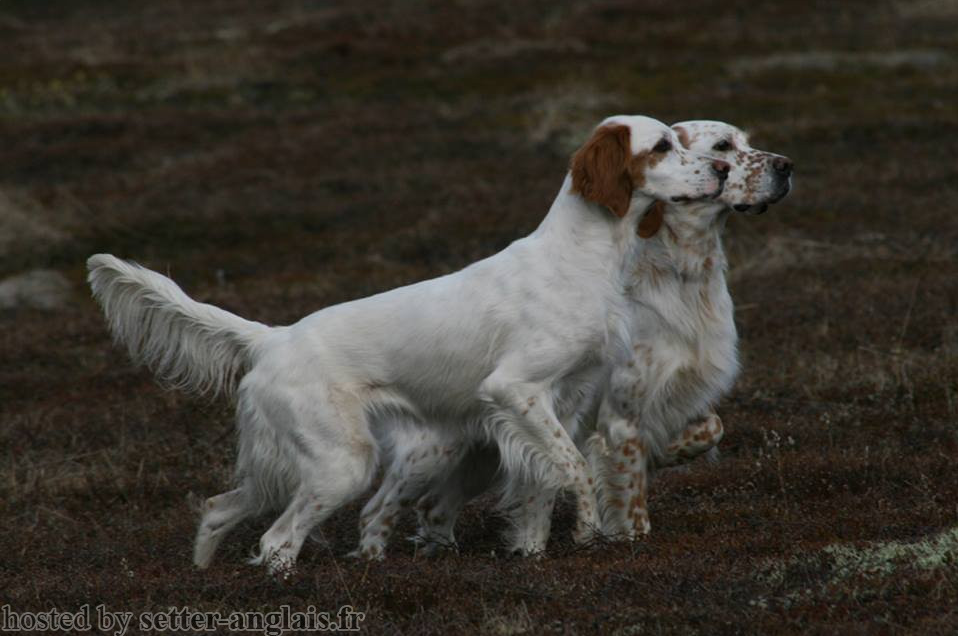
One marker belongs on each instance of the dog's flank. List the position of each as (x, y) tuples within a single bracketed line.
[(189, 345)]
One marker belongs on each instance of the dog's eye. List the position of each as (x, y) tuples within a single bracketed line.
[(722, 146), (663, 146)]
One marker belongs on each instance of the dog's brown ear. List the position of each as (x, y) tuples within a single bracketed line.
[(600, 169), (683, 136), (652, 220)]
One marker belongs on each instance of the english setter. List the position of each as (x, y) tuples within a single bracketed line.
[(655, 405), (497, 349)]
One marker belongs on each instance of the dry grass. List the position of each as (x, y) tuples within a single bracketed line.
[(280, 156)]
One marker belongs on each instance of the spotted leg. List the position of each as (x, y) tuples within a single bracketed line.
[(537, 449), (700, 436), (417, 459), (621, 469), (449, 492)]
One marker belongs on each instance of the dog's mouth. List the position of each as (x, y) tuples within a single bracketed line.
[(762, 208), (758, 208), (778, 196)]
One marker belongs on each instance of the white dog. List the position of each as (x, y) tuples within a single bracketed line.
[(499, 346), (655, 407)]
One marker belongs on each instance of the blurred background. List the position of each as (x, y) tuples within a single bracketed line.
[(277, 157)]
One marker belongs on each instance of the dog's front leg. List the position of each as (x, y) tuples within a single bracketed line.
[(620, 460), (529, 511), (699, 436), (536, 448)]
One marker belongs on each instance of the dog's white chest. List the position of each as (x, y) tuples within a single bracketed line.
[(684, 354)]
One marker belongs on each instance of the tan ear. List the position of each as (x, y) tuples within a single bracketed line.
[(683, 136), (652, 220), (600, 169)]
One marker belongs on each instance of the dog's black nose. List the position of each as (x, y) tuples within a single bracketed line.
[(721, 168), (782, 165)]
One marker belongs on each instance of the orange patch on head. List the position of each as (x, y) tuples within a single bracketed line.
[(642, 162), (652, 221), (683, 136), (601, 169)]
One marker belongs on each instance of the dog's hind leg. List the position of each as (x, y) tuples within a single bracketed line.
[(417, 461), (313, 503), (276, 550), (449, 491), (336, 458), (220, 515), (375, 523)]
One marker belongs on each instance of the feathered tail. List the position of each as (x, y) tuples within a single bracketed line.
[(188, 345)]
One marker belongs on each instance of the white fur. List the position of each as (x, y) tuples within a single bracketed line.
[(490, 348), (659, 391), (187, 344)]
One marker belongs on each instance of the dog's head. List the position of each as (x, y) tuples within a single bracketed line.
[(629, 158), (756, 178)]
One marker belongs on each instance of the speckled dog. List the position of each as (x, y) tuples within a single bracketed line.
[(655, 407), (684, 342)]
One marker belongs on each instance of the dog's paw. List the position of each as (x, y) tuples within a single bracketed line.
[(433, 545), (280, 569), (368, 553)]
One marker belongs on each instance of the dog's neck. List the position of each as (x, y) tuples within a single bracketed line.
[(688, 245), (574, 219)]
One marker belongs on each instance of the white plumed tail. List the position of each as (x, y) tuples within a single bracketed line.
[(188, 345)]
